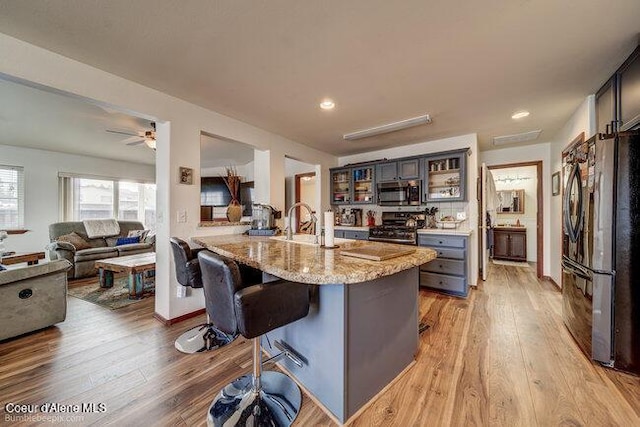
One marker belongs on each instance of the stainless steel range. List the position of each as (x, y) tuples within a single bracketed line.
[(398, 227)]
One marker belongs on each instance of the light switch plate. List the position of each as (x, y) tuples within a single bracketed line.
[(182, 215)]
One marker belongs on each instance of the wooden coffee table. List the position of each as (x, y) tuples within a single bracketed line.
[(29, 257), (136, 266)]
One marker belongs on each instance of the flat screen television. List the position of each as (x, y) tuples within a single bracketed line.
[(214, 192)]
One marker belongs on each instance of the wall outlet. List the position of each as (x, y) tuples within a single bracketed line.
[(461, 216), (181, 291)]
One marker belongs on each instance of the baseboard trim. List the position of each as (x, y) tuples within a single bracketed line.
[(549, 278), (169, 322)]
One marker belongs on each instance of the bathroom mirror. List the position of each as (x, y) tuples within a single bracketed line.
[(511, 201)]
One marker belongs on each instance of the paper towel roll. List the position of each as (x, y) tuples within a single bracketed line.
[(328, 229)]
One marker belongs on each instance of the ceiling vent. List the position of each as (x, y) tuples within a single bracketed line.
[(518, 137)]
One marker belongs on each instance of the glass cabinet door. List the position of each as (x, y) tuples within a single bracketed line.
[(340, 186), (363, 184), (445, 178)]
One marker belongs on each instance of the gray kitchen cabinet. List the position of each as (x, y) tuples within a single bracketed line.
[(448, 273), (445, 176), (352, 234), (409, 169), (341, 186), (387, 171), (353, 185), (400, 169)]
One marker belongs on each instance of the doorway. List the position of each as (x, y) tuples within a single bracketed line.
[(305, 189), (512, 175)]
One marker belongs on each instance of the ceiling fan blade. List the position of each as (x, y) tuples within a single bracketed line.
[(121, 132), (136, 142)]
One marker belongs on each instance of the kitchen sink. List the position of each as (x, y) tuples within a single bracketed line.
[(307, 239)]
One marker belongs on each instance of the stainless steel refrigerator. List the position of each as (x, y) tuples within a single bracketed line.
[(601, 248)]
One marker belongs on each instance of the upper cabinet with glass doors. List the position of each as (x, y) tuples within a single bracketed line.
[(445, 177), (341, 186)]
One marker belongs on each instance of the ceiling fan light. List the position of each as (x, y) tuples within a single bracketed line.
[(150, 142)]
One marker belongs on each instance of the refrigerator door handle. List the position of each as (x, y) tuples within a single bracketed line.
[(576, 270)]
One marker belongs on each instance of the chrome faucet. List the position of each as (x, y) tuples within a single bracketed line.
[(314, 220)]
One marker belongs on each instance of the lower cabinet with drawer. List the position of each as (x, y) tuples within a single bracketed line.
[(351, 234), (448, 273)]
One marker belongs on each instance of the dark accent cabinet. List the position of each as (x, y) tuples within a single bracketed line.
[(510, 243), (618, 100)]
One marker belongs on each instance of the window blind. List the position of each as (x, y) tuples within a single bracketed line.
[(11, 197)]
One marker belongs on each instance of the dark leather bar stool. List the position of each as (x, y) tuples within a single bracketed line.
[(262, 398), (203, 337)]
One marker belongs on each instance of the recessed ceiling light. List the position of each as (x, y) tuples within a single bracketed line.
[(519, 114), (327, 104)]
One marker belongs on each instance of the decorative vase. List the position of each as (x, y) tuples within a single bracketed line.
[(234, 211)]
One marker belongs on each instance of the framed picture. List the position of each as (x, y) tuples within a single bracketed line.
[(555, 183), (186, 176)]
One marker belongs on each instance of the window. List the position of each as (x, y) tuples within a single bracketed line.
[(91, 198), (11, 197)]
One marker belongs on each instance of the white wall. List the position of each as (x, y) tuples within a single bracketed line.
[(447, 144), (582, 120), (41, 170), (530, 153), (529, 218), (179, 126)]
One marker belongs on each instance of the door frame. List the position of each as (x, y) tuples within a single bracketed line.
[(298, 178), (539, 214)]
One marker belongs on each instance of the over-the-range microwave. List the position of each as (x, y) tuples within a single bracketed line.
[(399, 193)]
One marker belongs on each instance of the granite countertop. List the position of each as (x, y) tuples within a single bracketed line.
[(222, 223), (312, 264), (447, 231)]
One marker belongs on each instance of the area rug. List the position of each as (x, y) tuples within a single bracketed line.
[(511, 263), (112, 298)]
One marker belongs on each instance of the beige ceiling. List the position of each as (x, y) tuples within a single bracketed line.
[(469, 64)]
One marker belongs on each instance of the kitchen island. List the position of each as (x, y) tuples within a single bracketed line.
[(362, 328)]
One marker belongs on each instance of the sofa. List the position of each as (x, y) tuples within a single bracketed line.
[(32, 297), (83, 257)]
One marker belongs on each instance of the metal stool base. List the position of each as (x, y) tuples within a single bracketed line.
[(276, 404), (202, 338)]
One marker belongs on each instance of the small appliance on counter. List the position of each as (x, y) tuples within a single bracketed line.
[(357, 217), (263, 220), (347, 218)]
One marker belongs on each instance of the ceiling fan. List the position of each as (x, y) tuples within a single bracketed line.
[(147, 137)]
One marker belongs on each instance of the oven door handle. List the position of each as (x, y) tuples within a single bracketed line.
[(382, 239)]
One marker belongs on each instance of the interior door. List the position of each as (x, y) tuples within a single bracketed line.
[(484, 245)]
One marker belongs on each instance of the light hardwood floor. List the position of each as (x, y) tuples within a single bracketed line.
[(502, 357)]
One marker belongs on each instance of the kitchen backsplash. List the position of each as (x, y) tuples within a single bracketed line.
[(444, 209)]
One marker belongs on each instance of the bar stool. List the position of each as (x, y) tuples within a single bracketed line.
[(203, 337), (261, 398)]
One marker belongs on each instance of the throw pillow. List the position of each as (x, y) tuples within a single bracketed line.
[(78, 242), (151, 238), (127, 240), (138, 233)]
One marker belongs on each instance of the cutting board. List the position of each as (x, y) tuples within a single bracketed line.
[(377, 253)]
